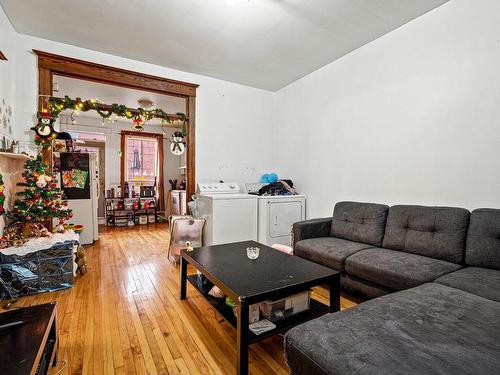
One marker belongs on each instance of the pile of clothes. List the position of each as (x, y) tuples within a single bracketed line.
[(280, 187)]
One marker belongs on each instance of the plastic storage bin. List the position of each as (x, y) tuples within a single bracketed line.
[(41, 271)]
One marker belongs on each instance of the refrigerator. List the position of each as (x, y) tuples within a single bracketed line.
[(79, 179)]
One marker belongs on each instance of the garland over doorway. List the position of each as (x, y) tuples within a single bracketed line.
[(45, 132)]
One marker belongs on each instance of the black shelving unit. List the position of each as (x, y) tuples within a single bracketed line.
[(120, 216)]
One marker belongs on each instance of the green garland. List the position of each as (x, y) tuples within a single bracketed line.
[(141, 115)]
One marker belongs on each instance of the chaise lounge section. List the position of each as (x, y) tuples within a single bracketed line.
[(441, 316)]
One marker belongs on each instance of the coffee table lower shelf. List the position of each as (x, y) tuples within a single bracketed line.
[(316, 309)]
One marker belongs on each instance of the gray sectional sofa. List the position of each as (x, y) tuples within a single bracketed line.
[(436, 273)]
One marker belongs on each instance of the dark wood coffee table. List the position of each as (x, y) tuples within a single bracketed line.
[(272, 276), (30, 347)]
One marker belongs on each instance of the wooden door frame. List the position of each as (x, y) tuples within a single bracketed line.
[(50, 64), (159, 139)]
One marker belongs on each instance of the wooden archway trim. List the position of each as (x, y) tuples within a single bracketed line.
[(51, 64)]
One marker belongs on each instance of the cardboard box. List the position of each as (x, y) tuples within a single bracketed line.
[(285, 307)]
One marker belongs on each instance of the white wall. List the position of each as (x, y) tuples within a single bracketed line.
[(233, 122), (7, 72), (8, 167), (413, 117)]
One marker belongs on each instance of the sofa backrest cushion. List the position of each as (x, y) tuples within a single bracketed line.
[(483, 239), (436, 232), (359, 222)]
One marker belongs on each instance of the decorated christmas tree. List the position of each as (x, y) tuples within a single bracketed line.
[(40, 201)]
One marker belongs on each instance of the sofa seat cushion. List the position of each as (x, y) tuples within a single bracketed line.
[(437, 232), (430, 329), (328, 251), (396, 270), (484, 282)]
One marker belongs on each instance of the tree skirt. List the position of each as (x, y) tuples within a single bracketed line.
[(41, 243)]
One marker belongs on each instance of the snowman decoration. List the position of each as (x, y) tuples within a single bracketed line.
[(178, 146)]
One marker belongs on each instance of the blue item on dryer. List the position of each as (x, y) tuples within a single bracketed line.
[(269, 178), (273, 177)]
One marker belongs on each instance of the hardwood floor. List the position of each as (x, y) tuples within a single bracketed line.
[(124, 315)]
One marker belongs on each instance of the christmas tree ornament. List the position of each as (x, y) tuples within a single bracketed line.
[(41, 182), (178, 146)]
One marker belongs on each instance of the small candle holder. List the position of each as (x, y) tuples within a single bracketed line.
[(253, 252)]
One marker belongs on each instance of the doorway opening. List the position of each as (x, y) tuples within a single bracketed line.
[(50, 65), (130, 162)]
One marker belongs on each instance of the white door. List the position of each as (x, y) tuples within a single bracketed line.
[(282, 215)]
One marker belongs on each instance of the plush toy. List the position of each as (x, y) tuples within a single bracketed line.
[(44, 129), (178, 146), (81, 261)]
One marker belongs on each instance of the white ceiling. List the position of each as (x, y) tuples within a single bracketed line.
[(261, 43)]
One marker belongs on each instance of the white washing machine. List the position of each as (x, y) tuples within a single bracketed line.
[(276, 215), (231, 214)]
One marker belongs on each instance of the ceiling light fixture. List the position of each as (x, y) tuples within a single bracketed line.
[(145, 103)]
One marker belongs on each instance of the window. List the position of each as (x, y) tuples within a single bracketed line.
[(141, 158)]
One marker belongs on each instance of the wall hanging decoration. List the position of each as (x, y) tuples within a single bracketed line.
[(44, 129), (2, 196), (138, 122), (5, 118), (178, 146)]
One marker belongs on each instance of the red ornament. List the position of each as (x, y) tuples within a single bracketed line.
[(28, 218)]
